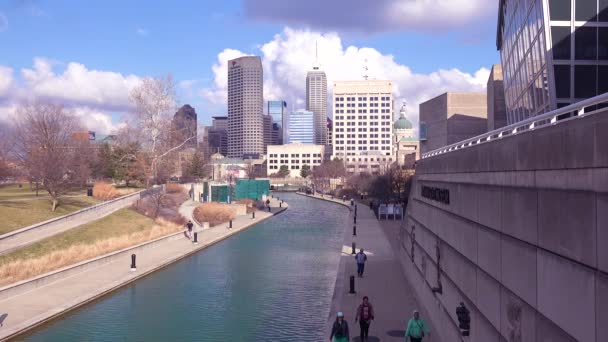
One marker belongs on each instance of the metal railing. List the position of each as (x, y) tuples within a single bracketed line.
[(577, 110)]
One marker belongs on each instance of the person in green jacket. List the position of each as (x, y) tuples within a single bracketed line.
[(416, 328), (339, 331)]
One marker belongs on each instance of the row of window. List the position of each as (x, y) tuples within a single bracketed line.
[(363, 142), (294, 155), (294, 161), (373, 129), (349, 136), (292, 167)]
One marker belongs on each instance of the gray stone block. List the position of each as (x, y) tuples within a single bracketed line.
[(578, 144), (518, 271), (488, 298), (489, 206), (547, 331), (567, 224), (488, 252), (525, 151), (466, 201), (566, 288), (484, 331), (519, 209), (601, 141), (602, 232), (602, 308)]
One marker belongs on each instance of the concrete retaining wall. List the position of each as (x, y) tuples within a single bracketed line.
[(524, 238)]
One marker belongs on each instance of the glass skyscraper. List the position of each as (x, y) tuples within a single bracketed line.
[(278, 111), (553, 53), (301, 127)]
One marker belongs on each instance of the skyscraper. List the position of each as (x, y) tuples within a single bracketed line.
[(267, 120), (301, 127), (316, 101), (553, 53), (278, 111), (245, 106), (184, 126)]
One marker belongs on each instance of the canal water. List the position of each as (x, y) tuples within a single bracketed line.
[(273, 282)]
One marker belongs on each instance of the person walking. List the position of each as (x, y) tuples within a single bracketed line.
[(189, 225), (361, 258), (365, 315), (339, 331), (268, 204), (416, 328)]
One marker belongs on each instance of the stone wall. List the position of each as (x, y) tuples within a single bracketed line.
[(524, 238)]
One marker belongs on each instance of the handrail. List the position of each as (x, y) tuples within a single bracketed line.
[(539, 121)]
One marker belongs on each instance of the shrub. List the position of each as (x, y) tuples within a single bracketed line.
[(104, 191), (172, 188), (214, 213)]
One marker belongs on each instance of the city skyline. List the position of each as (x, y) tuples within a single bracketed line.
[(95, 80)]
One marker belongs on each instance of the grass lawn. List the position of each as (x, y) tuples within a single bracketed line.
[(122, 222), (13, 191)]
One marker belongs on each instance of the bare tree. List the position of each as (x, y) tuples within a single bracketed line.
[(46, 148), (7, 147), (155, 104)]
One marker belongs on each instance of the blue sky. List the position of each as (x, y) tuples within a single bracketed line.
[(187, 38)]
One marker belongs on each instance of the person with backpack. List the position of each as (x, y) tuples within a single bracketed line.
[(361, 258), (339, 331), (416, 328), (365, 315)]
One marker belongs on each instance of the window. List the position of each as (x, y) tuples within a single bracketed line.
[(586, 43), (561, 42), (585, 81), (586, 10), (603, 11), (562, 81), (602, 51), (602, 77)]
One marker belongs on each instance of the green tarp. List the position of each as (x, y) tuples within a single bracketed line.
[(251, 188)]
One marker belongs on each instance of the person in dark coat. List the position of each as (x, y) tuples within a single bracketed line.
[(339, 331)]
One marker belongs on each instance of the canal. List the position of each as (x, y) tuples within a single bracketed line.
[(273, 282)]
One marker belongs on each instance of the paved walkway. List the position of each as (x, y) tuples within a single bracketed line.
[(48, 301), (383, 281)]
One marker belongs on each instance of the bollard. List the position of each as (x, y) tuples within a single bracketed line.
[(355, 220), (133, 267), (195, 241), (281, 205), (354, 230), (354, 245), (230, 225), (253, 214), (352, 285)]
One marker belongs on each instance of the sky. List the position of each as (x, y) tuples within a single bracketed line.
[(88, 55)]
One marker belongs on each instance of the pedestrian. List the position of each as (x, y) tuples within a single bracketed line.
[(339, 331), (416, 328), (361, 258), (268, 204), (189, 225), (365, 315)]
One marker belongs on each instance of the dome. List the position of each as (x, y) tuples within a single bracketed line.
[(217, 156), (402, 122)]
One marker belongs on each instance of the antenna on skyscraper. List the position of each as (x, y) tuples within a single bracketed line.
[(365, 70), (316, 65)]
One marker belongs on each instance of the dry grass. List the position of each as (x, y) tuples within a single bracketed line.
[(15, 270), (214, 213), (172, 188), (105, 191)]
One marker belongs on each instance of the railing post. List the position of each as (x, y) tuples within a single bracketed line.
[(133, 266), (354, 246), (230, 224), (352, 285), (195, 241), (354, 230)]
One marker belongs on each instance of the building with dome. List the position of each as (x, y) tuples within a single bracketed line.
[(405, 145)]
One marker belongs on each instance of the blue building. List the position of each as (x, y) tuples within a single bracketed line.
[(301, 127), (278, 111)]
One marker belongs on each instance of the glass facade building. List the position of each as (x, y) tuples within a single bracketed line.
[(301, 128), (553, 53), (278, 111)]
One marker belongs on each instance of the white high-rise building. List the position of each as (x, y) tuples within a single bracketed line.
[(316, 101), (245, 107), (363, 125)]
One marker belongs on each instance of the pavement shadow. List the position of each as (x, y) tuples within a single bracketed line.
[(2, 318), (396, 333), (369, 339)]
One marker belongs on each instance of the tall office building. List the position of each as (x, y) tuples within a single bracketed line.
[(278, 111), (497, 112), (217, 135), (185, 126), (300, 127), (267, 120), (363, 124), (245, 107), (316, 101), (553, 53)]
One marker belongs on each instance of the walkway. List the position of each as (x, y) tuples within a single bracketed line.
[(43, 303), (383, 281)]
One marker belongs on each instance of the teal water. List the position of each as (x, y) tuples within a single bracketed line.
[(273, 282)]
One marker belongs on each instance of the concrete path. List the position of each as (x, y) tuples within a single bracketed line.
[(46, 302), (383, 281)]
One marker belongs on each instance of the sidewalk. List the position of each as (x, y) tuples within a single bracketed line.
[(46, 302), (383, 281)]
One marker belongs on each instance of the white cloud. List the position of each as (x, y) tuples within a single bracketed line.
[(78, 85), (289, 55), (95, 120), (3, 22), (375, 16), (6, 80)]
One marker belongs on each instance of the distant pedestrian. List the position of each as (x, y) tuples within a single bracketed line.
[(189, 225), (416, 328), (365, 315), (361, 258), (268, 204), (339, 331)]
